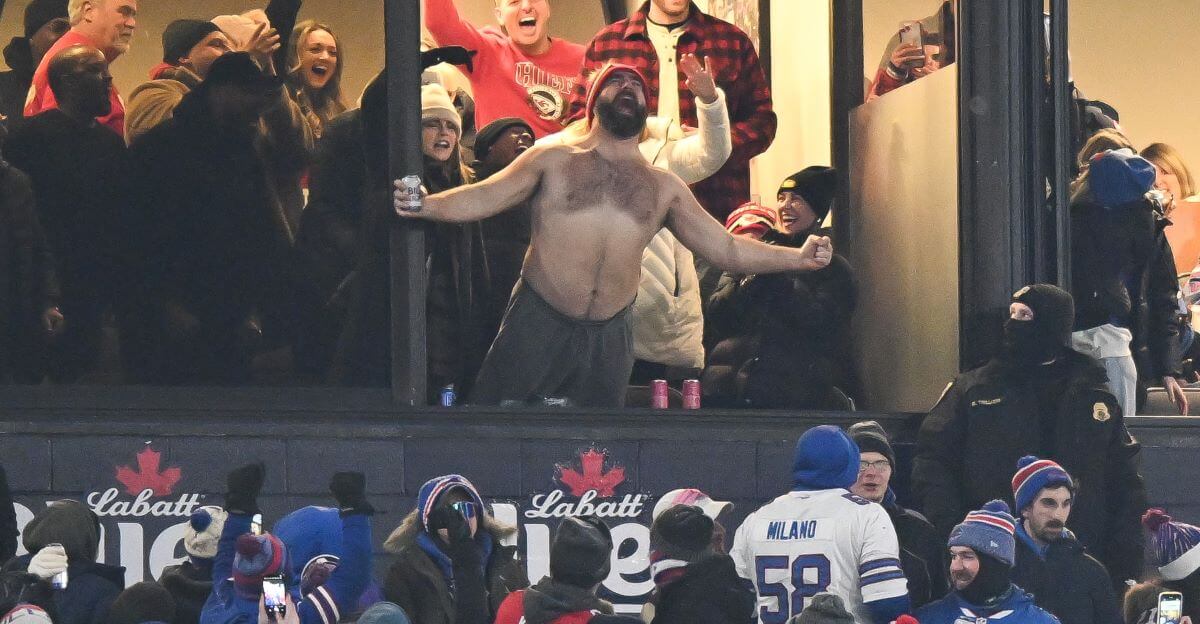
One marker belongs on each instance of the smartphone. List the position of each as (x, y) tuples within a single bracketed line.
[(1170, 608), (274, 596), (256, 524), (910, 33), (58, 581)]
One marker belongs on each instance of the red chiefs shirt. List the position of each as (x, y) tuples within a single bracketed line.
[(41, 98), (506, 81), (512, 611)]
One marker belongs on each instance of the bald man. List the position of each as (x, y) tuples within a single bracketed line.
[(596, 203), (78, 167)]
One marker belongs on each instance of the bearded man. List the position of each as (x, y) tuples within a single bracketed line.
[(595, 204)]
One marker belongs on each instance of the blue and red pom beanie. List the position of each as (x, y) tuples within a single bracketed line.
[(1176, 545), (988, 531), (826, 458), (1033, 474), (435, 488), (257, 557)]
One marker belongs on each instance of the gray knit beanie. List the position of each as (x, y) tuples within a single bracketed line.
[(825, 608)]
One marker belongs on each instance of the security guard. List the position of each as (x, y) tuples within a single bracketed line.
[(1037, 398)]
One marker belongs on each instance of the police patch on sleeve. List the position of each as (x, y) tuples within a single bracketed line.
[(1100, 412)]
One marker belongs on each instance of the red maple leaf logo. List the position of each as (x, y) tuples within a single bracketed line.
[(147, 476), (593, 476)]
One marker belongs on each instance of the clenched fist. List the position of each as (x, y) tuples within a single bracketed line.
[(816, 253)]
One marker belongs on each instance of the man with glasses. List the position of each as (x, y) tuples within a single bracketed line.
[(920, 546)]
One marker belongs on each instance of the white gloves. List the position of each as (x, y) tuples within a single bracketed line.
[(48, 561)]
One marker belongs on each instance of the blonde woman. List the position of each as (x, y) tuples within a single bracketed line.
[(1173, 177), (314, 73)]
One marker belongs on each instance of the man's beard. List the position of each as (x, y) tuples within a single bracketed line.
[(1051, 531), (621, 124)]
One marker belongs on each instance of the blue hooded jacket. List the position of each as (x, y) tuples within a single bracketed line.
[(427, 500), (311, 530), (1015, 608)]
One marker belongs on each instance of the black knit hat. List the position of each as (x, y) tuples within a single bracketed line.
[(816, 184), (143, 602), (682, 532), (182, 35), (493, 131), (239, 69), (42, 12), (1053, 309), (871, 438), (581, 552)]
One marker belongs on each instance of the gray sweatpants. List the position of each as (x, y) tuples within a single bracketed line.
[(539, 352)]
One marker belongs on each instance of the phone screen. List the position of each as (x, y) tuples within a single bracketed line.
[(910, 33), (1170, 608), (274, 595), (256, 524)]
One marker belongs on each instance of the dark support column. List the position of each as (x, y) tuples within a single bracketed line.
[(846, 76), (1002, 189), (403, 36), (1063, 154)]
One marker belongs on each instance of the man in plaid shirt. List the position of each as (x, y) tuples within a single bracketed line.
[(733, 62)]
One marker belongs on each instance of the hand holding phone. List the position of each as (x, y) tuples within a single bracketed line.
[(275, 598), (1170, 608)]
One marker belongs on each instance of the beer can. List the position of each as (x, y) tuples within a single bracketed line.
[(691, 394), (412, 193), (659, 398), (448, 396), (58, 581)]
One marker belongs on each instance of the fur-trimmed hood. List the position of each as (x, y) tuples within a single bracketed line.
[(405, 535)]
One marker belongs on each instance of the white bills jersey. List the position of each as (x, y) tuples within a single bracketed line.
[(805, 543)]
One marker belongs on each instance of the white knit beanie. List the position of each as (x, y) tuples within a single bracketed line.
[(436, 103), (203, 532)]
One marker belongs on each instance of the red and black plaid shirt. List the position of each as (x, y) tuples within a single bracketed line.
[(737, 70)]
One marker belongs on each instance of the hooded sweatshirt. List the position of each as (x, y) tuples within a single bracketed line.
[(93, 586), (305, 528)]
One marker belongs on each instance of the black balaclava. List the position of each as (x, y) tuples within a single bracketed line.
[(1042, 339), (990, 584)]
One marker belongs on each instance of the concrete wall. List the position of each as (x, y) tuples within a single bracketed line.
[(904, 242)]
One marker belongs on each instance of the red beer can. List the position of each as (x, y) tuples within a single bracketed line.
[(691, 394), (659, 398)]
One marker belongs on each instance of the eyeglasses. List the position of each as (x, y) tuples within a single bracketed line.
[(880, 465)]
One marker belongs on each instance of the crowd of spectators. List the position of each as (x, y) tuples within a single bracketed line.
[(836, 547), (226, 221)]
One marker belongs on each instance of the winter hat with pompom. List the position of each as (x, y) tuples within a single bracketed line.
[(203, 532), (1033, 475), (257, 557), (1176, 545), (988, 531)]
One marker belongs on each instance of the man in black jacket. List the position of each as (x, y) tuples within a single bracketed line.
[(1050, 563), (29, 313), (1039, 397), (921, 548), (692, 582), (1123, 279), (78, 168), (208, 238), (45, 22)]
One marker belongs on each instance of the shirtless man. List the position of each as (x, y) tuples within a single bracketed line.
[(596, 203)]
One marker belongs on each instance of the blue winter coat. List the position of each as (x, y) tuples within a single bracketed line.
[(323, 605), (1016, 608)]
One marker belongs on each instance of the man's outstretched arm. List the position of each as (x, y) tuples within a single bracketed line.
[(473, 202), (701, 233)]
